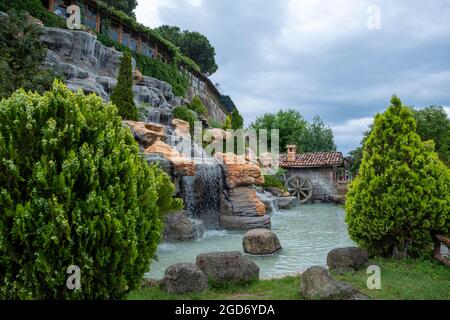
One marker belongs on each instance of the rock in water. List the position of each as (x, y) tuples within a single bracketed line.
[(244, 223), (343, 260), (146, 134), (227, 267), (184, 278), (179, 227), (261, 242), (316, 283)]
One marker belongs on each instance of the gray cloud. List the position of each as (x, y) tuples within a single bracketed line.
[(319, 56)]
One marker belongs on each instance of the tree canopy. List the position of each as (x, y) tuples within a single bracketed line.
[(401, 195), (127, 6), (192, 44), (294, 129)]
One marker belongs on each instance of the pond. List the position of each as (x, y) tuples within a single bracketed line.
[(307, 233)]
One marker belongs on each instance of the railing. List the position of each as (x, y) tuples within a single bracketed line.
[(438, 241)]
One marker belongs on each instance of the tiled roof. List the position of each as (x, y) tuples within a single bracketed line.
[(312, 160)]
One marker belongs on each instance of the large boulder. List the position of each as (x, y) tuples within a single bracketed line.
[(184, 278), (182, 166), (147, 133), (181, 128), (179, 227), (238, 171), (261, 242), (242, 201), (343, 260), (227, 267), (317, 284), (244, 223)]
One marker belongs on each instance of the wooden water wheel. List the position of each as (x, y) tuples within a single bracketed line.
[(301, 188)]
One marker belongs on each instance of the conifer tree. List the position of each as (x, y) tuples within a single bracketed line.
[(122, 95), (402, 194)]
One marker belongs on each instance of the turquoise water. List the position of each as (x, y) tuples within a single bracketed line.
[(307, 233)]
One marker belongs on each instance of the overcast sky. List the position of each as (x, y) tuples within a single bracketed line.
[(333, 58)]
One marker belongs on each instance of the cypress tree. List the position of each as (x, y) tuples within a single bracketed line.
[(402, 194), (122, 95)]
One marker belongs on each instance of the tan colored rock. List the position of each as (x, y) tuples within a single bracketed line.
[(182, 165), (147, 133), (261, 242), (238, 171), (243, 201), (219, 134), (137, 76), (182, 128)]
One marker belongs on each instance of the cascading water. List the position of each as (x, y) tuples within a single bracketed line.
[(202, 193)]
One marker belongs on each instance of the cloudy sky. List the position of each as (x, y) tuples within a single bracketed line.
[(340, 59)]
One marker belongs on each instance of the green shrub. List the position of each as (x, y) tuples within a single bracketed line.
[(402, 192), (197, 106), (165, 72), (184, 113), (74, 191), (214, 123), (36, 9), (122, 95), (275, 181)]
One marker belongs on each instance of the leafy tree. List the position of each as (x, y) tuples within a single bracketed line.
[(402, 193), (122, 95), (126, 6), (237, 122), (319, 138), (433, 123), (192, 44), (22, 56), (294, 129), (74, 190)]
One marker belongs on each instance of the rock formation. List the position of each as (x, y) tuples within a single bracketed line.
[(227, 267), (261, 242), (179, 227), (184, 278)]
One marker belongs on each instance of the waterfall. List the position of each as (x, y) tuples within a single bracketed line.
[(268, 200), (202, 193)]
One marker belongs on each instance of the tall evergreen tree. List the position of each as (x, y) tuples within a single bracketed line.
[(402, 193), (237, 122), (122, 95)]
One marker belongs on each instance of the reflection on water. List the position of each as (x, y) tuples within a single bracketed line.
[(307, 233)]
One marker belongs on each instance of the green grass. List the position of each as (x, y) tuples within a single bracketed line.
[(405, 280), (283, 289), (400, 280)]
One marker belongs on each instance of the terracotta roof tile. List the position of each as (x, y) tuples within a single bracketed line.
[(313, 160)]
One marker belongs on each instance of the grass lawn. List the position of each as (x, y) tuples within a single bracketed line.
[(404, 280)]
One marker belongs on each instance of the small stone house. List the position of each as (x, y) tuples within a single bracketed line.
[(317, 176)]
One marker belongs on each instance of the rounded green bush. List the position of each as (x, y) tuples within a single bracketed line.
[(402, 193), (74, 191)]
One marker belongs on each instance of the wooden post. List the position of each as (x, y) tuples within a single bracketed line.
[(120, 33), (51, 5), (139, 44), (98, 21)]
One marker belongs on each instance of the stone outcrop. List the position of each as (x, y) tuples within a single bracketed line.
[(317, 284), (89, 65), (243, 201), (179, 227), (343, 260), (182, 165), (181, 128), (285, 203), (147, 134), (227, 267), (184, 278), (238, 171), (244, 223), (261, 242)]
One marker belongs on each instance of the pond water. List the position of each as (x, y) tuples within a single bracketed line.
[(307, 233)]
